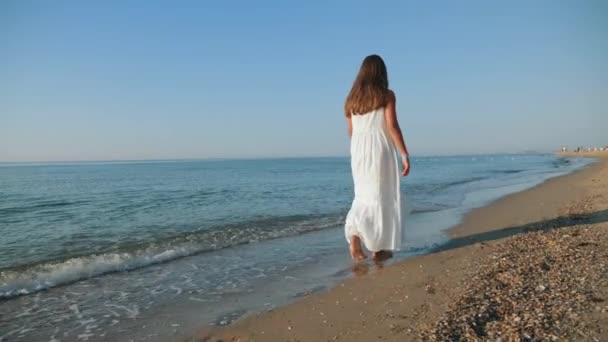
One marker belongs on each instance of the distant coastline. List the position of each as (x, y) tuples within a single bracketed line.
[(589, 154)]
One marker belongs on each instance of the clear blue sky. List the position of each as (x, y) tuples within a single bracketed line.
[(193, 79)]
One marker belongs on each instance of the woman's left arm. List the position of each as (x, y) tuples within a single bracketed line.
[(390, 115)]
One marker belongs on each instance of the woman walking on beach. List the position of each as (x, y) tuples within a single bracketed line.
[(375, 219)]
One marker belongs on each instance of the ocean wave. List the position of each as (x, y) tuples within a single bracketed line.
[(427, 210), (561, 162), (508, 172), (443, 186), (463, 181), (28, 279), (39, 206)]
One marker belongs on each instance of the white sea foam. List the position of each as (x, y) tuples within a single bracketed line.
[(35, 278), (40, 277)]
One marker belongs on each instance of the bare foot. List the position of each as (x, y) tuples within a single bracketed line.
[(382, 255), (356, 252), (360, 268)]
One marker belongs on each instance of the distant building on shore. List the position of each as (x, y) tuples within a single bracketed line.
[(583, 149)]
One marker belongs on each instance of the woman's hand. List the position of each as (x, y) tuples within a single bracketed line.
[(405, 161)]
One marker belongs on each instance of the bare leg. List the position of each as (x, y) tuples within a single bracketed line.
[(356, 252), (382, 255)]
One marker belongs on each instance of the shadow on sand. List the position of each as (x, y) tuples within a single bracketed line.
[(363, 267), (556, 223)]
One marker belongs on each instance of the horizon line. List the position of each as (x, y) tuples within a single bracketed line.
[(424, 155)]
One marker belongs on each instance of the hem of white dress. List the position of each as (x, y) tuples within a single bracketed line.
[(367, 246)]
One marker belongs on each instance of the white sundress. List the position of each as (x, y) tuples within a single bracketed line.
[(377, 213)]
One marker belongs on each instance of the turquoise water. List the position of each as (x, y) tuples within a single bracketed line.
[(116, 242)]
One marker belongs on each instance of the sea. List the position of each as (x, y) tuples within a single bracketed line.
[(154, 250)]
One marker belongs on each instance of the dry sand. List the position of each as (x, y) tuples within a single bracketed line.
[(549, 283)]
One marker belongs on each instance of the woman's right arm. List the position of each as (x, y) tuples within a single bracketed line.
[(390, 116), (349, 126)]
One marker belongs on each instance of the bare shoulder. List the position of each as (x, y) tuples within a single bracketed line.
[(391, 96), (389, 113)]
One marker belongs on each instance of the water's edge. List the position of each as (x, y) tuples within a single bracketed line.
[(124, 295), (229, 318)]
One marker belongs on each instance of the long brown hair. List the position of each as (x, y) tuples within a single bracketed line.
[(370, 89)]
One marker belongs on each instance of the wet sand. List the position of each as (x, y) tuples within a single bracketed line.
[(440, 295)]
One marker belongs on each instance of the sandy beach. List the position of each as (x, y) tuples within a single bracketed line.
[(531, 266), (588, 154)]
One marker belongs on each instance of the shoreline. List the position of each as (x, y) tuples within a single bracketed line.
[(420, 286), (492, 216), (584, 154)]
